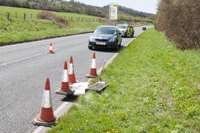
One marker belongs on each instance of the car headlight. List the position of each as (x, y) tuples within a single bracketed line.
[(92, 39), (112, 39)]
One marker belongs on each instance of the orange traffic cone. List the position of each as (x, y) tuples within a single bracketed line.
[(64, 89), (93, 69), (46, 116), (72, 77), (51, 49)]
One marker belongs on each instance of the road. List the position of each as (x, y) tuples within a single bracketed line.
[(24, 68)]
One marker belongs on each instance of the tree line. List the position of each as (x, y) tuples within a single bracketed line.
[(55, 5)]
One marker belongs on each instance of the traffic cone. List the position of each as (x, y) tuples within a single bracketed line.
[(46, 116), (64, 89), (72, 77), (51, 49), (93, 69)]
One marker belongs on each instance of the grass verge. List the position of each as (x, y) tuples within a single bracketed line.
[(20, 24), (153, 88)]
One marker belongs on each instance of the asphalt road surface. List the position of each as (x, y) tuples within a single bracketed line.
[(24, 68)]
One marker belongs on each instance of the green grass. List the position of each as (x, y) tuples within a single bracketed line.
[(154, 88), (19, 30)]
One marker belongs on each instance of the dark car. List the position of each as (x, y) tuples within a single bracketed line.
[(105, 37)]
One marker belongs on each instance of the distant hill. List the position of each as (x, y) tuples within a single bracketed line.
[(134, 12), (127, 14), (76, 7)]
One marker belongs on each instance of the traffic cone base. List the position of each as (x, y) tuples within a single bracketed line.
[(93, 74), (43, 118), (51, 52), (38, 122), (60, 92), (63, 92), (51, 49), (46, 115), (72, 79)]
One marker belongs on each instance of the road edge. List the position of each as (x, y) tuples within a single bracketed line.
[(45, 38), (66, 106)]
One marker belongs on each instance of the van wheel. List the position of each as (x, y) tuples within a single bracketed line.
[(132, 35)]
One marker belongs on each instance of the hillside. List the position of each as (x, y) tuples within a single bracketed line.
[(133, 15), (20, 24), (76, 7)]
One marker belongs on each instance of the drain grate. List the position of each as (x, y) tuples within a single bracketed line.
[(98, 86)]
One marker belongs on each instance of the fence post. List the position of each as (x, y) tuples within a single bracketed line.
[(66, 22), (24, 16), (65, 19), (16, 15), (8, 16)]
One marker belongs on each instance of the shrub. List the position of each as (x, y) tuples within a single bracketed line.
[(180, 20), (51, 16)]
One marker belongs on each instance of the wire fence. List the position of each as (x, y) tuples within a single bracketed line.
[(84, 19), (30, 16), (23, 16)]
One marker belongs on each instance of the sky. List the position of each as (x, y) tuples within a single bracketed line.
[(149, 6)]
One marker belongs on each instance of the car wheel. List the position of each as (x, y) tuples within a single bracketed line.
[(93, 48), (120, 45), (89, 47), (117, 47)]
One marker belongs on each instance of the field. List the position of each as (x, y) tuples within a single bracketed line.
[(154, 88), (20, 24), (136, 20)]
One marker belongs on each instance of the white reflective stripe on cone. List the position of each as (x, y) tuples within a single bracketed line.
[(65, 76), (93, 63), (46, 99), (70, 68)]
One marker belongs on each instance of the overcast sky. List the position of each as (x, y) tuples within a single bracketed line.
[(141, 5)]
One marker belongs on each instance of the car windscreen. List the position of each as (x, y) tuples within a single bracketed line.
[(105, 30), (122, 27)]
